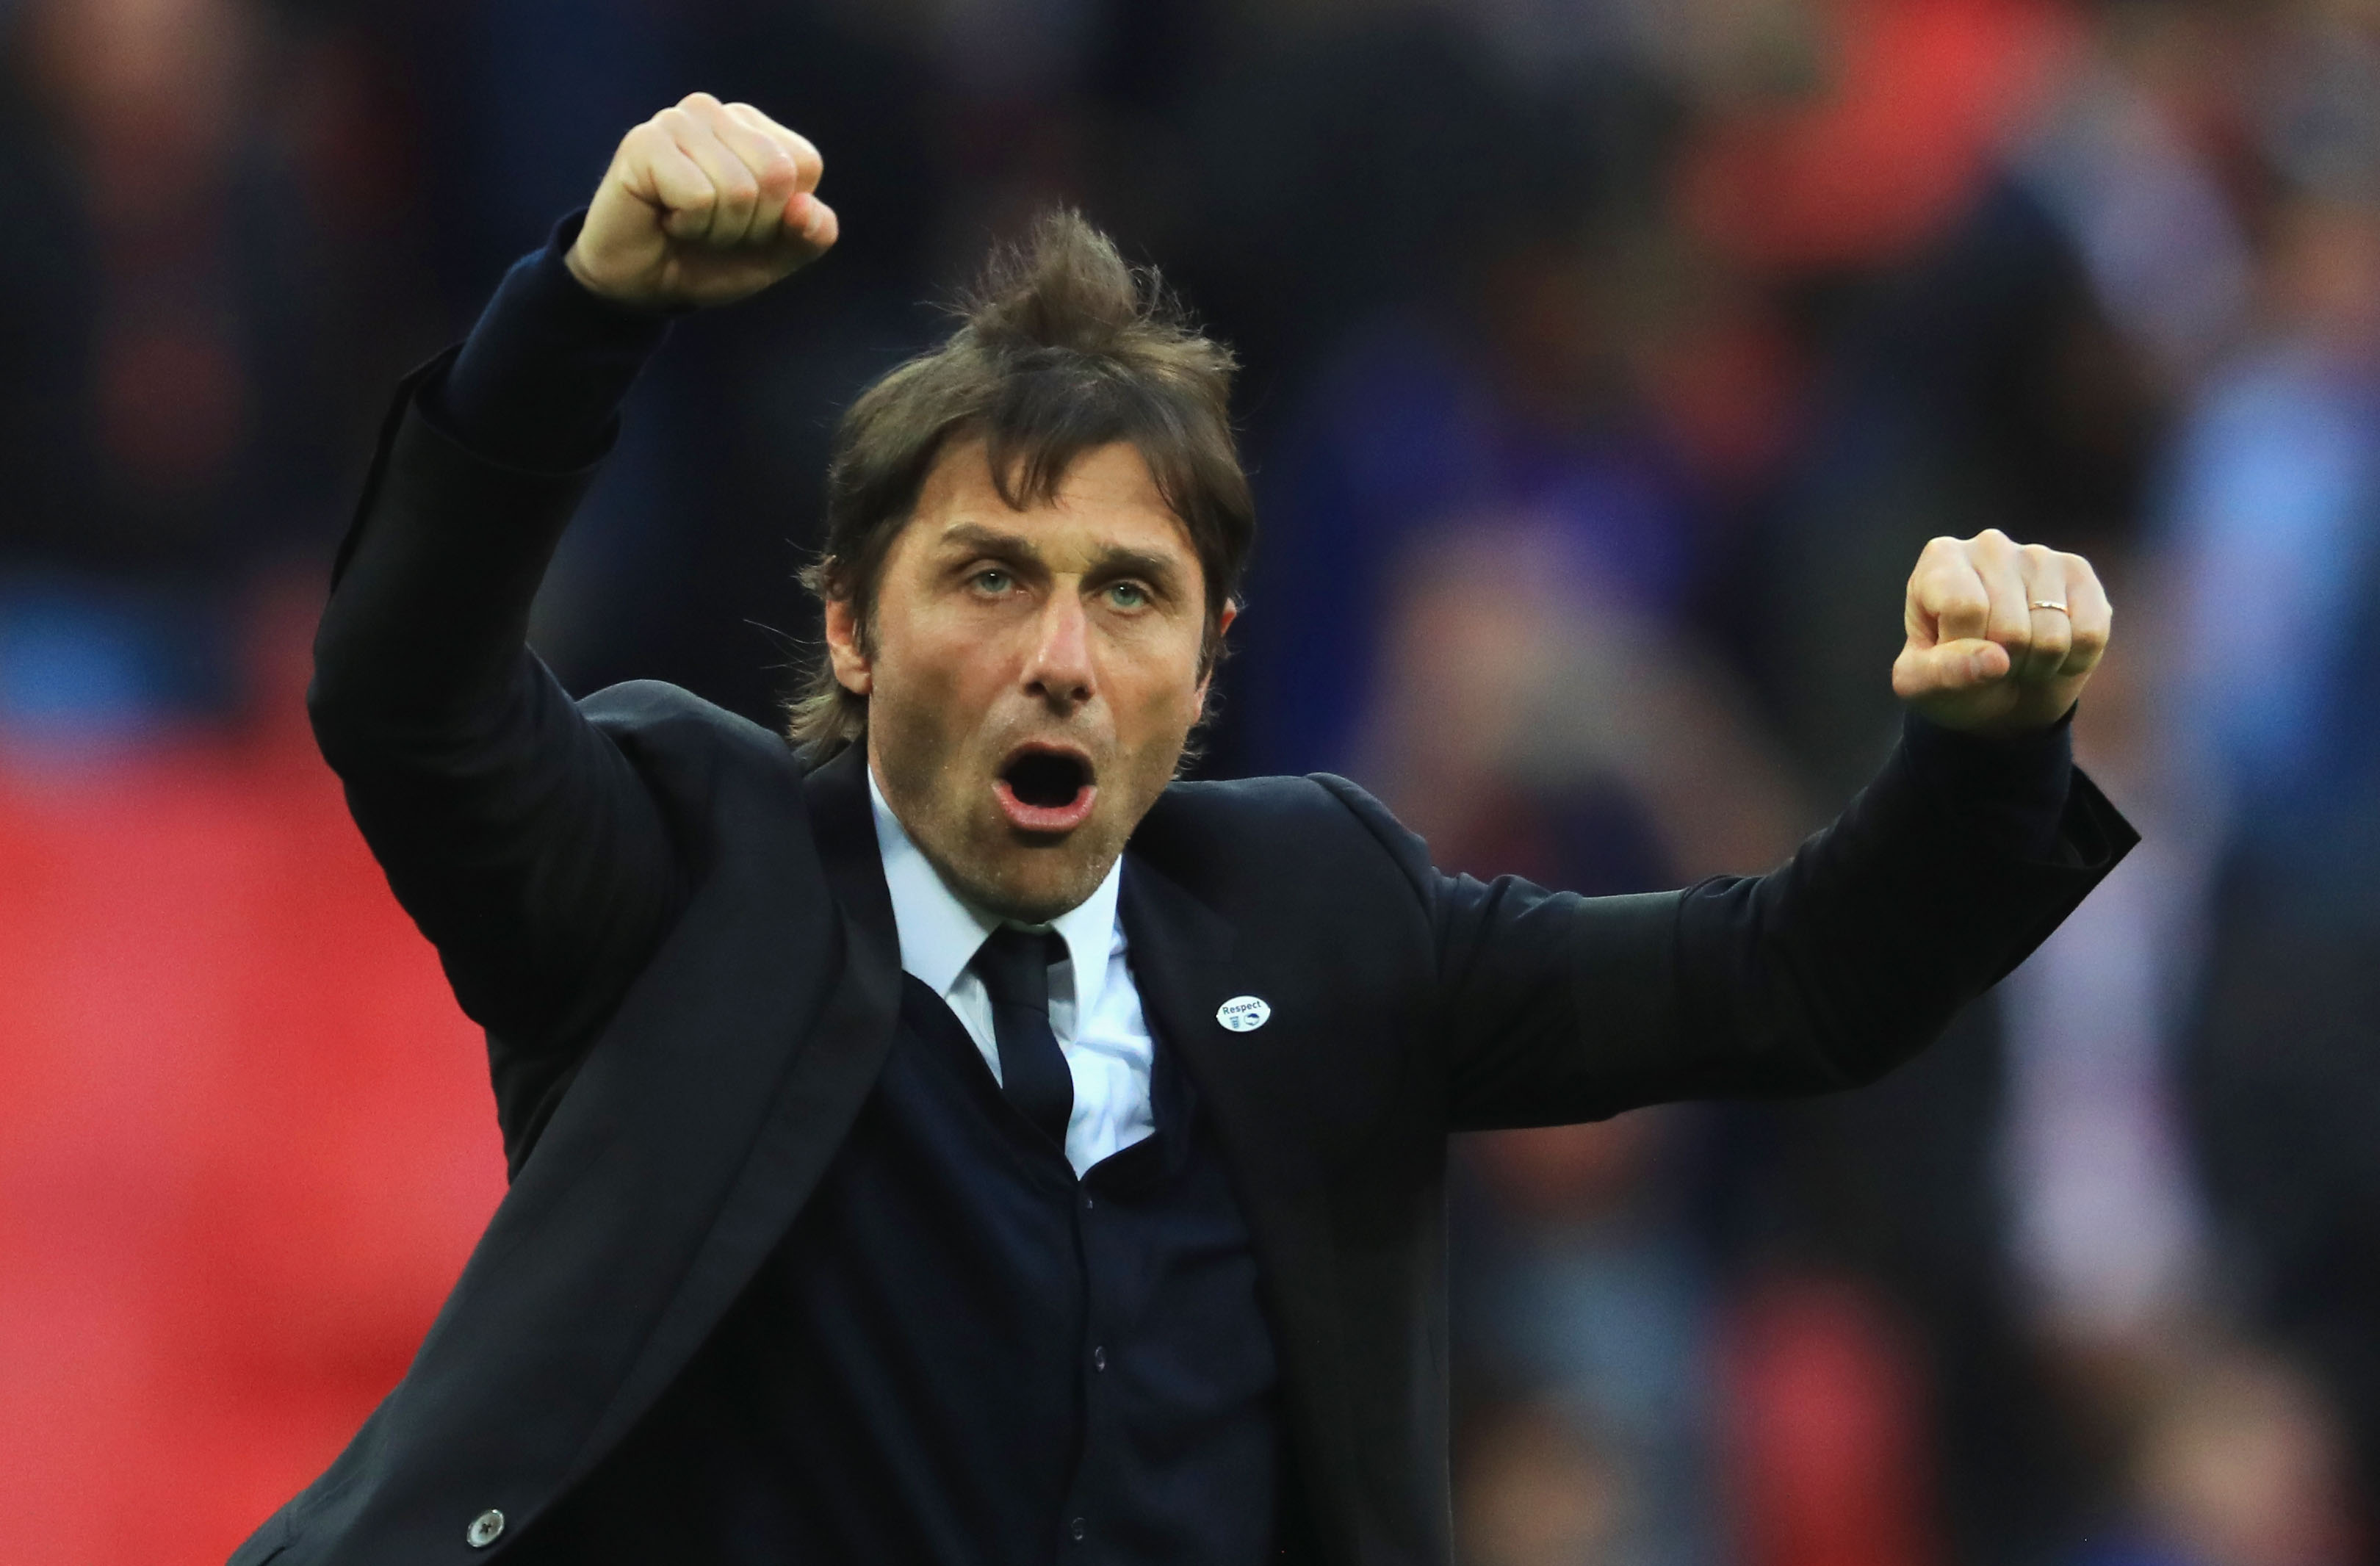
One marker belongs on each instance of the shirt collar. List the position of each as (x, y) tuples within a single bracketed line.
[(940, 931)]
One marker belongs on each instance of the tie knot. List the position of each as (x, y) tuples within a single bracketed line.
[(1014, 967)]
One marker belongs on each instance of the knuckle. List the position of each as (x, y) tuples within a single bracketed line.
[(698, 100), (2038, 554)]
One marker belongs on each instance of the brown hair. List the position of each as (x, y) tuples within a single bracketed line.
[(1061, 348)]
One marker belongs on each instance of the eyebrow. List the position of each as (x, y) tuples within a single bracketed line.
[(1115, 560), (1123, 562), (976, 538)]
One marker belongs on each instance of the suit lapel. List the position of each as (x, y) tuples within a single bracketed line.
[(1185, 964), (844, 824), (1181, 954), (824, 1085)]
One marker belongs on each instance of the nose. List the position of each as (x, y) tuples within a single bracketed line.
[(1057, 670)]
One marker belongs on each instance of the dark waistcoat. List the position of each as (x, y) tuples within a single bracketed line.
[(960, 1354)]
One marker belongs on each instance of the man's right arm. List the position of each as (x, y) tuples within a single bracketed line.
[(539, 382), (516, 834)]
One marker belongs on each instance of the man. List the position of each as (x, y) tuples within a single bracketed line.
[(947, 1138)]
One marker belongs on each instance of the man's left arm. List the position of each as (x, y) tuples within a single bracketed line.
[(1969, 846)]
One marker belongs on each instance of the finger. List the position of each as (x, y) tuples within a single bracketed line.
[(2092, 615), (2043, 572), (775, 176), (2002, 567), (808, 234), (808, 164), (1947, 600), (729, 216), (658, 172), (1948, 668), (820, 228), (799, 209)]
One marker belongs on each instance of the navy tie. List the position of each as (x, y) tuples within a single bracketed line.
[(1014, 967)]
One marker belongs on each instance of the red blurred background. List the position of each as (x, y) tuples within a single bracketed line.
[(1607, 362), (245, 1142)]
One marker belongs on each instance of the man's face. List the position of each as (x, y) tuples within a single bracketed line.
[(1031, 675)]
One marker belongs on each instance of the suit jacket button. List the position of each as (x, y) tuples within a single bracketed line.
[(484, 1529)]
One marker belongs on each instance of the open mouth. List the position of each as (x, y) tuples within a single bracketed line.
[(1044, 790)]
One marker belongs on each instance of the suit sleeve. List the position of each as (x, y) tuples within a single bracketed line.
[(519, 835), (1823, 974)]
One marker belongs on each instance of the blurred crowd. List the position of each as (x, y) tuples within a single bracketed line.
[(1608, 362)]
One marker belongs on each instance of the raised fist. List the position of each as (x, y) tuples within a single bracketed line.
[(2001, 635), (704, 204)]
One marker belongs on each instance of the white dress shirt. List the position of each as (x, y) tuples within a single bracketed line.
[(1094, 1006)]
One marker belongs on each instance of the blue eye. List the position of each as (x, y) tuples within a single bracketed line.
[(992, 580), (1128, 595)]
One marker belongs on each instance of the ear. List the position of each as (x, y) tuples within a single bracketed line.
[(1222, 625), (853, 671)]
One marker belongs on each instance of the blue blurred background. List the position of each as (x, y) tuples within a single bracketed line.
[(1607, 363)]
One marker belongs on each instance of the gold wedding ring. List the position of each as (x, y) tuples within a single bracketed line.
[(2051, 603)]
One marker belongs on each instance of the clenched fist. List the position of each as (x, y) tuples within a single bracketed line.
[(2001, 635), (704, 204)]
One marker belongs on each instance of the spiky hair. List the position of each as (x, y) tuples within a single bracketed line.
[(1061, 348)]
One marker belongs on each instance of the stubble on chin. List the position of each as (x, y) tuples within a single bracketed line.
[(949, 809), (987, 862), (1030, 882)]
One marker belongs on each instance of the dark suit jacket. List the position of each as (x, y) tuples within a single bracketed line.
[(680, 945)]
